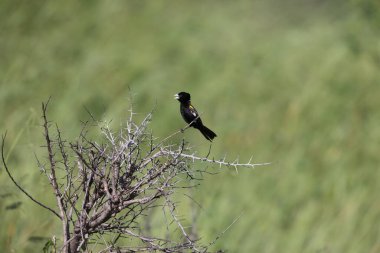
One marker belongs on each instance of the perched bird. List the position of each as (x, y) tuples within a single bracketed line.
[(191, 116)]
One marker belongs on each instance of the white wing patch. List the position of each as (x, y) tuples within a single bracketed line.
[(193, 111)]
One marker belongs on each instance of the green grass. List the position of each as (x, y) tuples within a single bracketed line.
[(295, 83)]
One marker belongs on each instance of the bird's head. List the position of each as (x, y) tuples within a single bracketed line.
[(182, 97)]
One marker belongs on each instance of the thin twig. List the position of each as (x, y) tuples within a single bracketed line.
[(18, 186), (219, 162), (53, 179), (225, 230)]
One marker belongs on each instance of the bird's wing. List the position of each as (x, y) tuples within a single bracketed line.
[(193, 111)]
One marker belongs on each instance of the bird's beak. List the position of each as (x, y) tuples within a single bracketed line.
[(176, 96)]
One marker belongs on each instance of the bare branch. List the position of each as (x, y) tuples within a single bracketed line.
[(225, 230), (17, 185), (221, 162), (53, 179)]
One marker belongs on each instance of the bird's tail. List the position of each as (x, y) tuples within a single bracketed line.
[(207, 133)]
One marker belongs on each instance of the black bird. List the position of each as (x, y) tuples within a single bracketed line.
[(191, 116)]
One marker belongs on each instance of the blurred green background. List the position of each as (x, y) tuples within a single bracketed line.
[(296, 83)]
